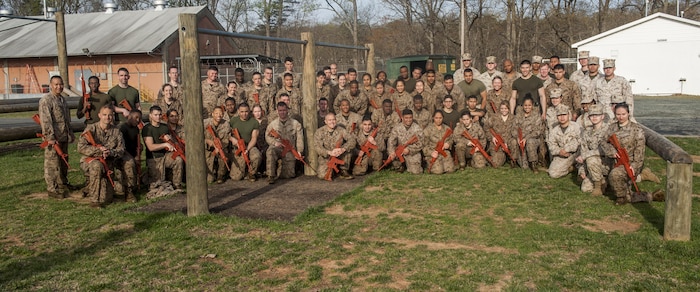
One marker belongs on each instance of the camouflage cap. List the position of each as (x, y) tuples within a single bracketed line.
[(608, 63), (555, 93), (593, 61), (595, 109), (586, 98), (562, 110), (466, 56), (583, 54), (490, 59), (536, 59)]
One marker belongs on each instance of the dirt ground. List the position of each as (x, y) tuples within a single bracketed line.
[(259, 200)]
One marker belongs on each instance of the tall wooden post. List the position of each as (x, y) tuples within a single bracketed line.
[(62, 50), (197, 196), (309, 103), (370, 59), (679, 187)]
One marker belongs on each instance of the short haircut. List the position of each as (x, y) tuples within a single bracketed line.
[(155, 108), (354, 82), (170, 111), (323, 99), (244, 104), (123, 69), (173, 67), (525, 62), (429, 71), (554, 57), (558, 66), (418, 97), (213, 68), (94, 77), (468, 70), (288, 74), (320, 73), (472, 97), (386, 101), (282, 104), (231, 82), (239, 70), (406, 112), (465, 113), (230, 99), (351, 70), (288, 59), (448, 77)]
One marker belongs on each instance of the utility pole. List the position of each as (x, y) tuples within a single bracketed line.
[(62, 50)]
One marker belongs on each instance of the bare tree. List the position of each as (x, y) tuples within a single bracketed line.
[(346, 12)]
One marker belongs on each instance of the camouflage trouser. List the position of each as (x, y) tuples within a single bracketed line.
[(464, 154), (559, 166), (500, 157), (442, 164), (619, 181), (323, 164), (595, 169), (98, 187), (215, 165), (531, 147), (158, 166), (374, 159), (288, 163), (55, 170), (239, 167), (413, 163), (127, 165)]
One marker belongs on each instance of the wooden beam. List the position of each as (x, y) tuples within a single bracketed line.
[(679, 186), (62, 50), (370, 59), (309, 103), (197, 193)]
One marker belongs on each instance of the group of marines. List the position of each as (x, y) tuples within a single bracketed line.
[(425, 120)]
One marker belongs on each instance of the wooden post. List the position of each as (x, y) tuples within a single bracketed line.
[(679, 186), (370, 59), (62, 50), (197, 196), (309, 103)]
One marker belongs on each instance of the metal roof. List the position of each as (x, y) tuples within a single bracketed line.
[(122, 32)]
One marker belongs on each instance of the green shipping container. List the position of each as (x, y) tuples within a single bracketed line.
[(444, 64)]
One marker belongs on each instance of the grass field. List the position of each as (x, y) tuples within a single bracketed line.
[(492, 229)]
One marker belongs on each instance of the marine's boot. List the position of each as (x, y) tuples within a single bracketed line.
[(648, 175), (597, 188)]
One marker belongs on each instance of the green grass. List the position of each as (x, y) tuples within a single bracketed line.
[(490, 229)]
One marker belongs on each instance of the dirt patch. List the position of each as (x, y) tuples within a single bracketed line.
[(371, 212), (374, 188), (611, 225), (502, 283), (432, 245), (117, 227), (697, 174), (283, 200)]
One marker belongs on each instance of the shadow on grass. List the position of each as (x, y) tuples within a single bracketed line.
[(651, 215), (24, 184), (249, 196), (25, 268)]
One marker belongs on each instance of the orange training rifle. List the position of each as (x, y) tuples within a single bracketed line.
[(56, 147), (623, 159), (91, 139), (476, 145), (367, 147), (241, 151), (399, 152), (333, 162), (288, 147), (178, 149), (501, 144), (86, 96), (218, 147), (439, 147), (125, 104)]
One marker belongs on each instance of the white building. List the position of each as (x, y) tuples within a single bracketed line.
[(659, 54)]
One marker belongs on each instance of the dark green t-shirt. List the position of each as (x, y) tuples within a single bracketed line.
[(451, 119), (97, 101), (245, 128), (475, 88), (525, 86), (155, 133), (131, 137), (118, 94)]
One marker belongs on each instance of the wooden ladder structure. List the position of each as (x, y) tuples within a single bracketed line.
[(30, 79)]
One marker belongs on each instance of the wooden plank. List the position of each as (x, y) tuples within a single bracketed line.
[(309, 103), (665, 148), (679, 187), (62, 49), (197, 193), (370, 59)]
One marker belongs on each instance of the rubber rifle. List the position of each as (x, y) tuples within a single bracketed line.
[(241, 151), (91, 139), (399, 152), (86, 96), (501, 144), (623, 159), (178, 149), (476, 145), (218, 147), (439, 147), (288, 147), (333, 162), (367, 147), (125, 104), (56, 147)]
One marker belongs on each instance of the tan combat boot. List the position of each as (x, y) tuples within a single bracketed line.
[(597, 188), (647, 175)]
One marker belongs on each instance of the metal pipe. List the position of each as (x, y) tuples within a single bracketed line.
[(27, 18), (249, 36), (322, 44)]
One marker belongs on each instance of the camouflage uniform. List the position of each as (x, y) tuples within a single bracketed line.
[(430, 96), (487, 78), (431, 136), (595, 164), (460, 101), (579, 75), (532, 129), (570, 94), (97, 101), (552, 121), (223, 132), (377, 99), (326, 140), (632, 139), (367, 94), (569, 140), (616, 89), (347, 122), (55, 125), (404, 100), (178, 93), (422, 117), (323, 91), (385, 123), (588, 85), (496, 98), (546, 81), (508, 81), (213, 95), (459, 74), (505, 129), (98, 187), (290, 130), (296, 79), (176, 105), (238, 165), (375, 157), (358, 103), (265, 96), (464, 151), (400, 134), (295, 101)]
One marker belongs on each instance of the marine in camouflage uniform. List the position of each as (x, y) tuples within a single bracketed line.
[(466, 64), (173, 75), (257, 93), (552, 111), (326, 144), (496, 96), (213, 92), (111, 142), (582, 73), (358, 102), (631, 137), (374, 159), (216, 167), (295, 98), (399, 135), (530, 123), (402, 99), (613, 88), (170, 103), (420, 114), (491, 72), (346, 119), (55, 126), (593, 165), (588, 84), (385, 118), (570, 91), (463, 146), (378, 96), (432, 134), (563, 142), (431, 88), (289, 129), (458, 98), (97, 100), (586, 104), (502, 123)]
